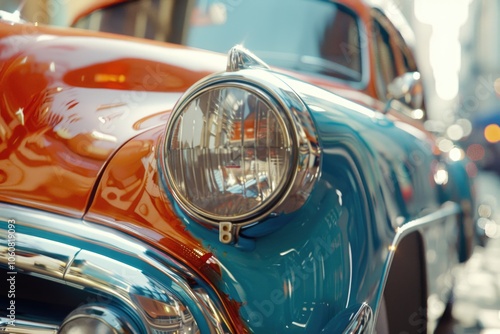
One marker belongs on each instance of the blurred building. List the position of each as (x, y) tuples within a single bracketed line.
[(480, 71), (438, 49)]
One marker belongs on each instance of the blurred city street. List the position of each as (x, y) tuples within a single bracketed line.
[(459, 57), (477, 289)]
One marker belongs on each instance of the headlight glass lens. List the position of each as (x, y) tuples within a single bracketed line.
[(228, 152)]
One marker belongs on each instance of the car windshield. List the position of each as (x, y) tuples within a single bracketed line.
[(318, 37), (312, 36)]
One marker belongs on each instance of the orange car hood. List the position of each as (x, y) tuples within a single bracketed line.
[(70, 99)]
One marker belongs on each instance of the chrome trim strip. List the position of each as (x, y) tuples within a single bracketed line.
[(37, 255), (111, 262), (26, 327), (362, 321), (446, 210)]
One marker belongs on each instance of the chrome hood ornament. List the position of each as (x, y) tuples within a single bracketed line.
[(14, 17), (239, 58)]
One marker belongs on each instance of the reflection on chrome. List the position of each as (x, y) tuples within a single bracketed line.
[(362, 322), (158, 304), (38, 255), (97, 319), (142, 282)]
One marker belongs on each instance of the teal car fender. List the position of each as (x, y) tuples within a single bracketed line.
[(325, 265), (319, 266)]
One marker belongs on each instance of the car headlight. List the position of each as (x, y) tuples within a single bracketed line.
[(237, 146), (229, 152)]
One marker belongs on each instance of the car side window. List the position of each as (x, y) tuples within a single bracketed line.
[(385, 64), (341, 42)]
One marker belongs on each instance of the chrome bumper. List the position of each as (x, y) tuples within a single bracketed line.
[(102, 261), (27, 327)]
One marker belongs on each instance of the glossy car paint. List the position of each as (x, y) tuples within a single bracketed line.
[(81, 140), (69, 102)]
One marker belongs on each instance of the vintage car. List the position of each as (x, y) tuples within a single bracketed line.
[(151, 187)]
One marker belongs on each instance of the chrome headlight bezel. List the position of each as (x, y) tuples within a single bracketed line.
[(282, 187), (299, 134)]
